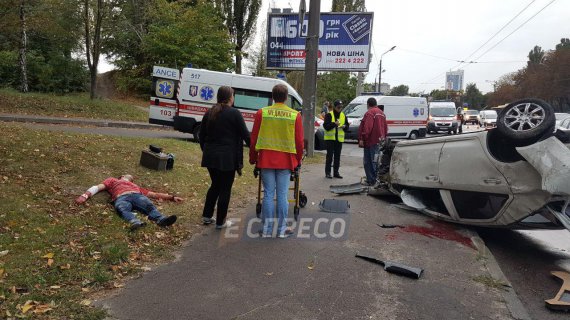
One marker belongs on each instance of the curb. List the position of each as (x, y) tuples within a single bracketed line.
[(82, 121)]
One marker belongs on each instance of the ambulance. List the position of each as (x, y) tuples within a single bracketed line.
[(180, 99), (406, 116)]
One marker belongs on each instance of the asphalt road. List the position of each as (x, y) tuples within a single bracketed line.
[(525, 257)]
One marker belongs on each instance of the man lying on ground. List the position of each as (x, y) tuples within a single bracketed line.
[(127, 196)]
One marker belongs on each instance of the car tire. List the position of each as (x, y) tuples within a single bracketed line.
[(196, 132), (413, 135), (526, 121)]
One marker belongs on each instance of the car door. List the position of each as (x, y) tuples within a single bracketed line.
[(467, 172), (416, 163)]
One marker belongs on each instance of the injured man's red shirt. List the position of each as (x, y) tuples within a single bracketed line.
[(116, 187)]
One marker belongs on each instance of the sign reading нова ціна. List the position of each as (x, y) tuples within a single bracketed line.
[(344, 41)]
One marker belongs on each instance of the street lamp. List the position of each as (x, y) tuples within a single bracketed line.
[(380, 69)]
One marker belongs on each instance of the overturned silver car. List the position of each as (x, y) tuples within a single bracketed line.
[(515, 175)]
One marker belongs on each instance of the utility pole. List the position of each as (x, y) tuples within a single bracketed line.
[(380, 69), (310, 90)]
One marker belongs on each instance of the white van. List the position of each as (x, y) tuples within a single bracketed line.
[(442, 117), (488, 118), (406, 116), (181, 99)]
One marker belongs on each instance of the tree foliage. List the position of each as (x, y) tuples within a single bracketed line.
[(240, 17), (348, 6), (401, 90), (335, 85), (535, 56), (549, 80), (473, 96)]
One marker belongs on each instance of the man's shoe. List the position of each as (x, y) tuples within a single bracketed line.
[(136, 225), (338, 176), (206, 220), (168, 221), (227, 224), (328, 175)]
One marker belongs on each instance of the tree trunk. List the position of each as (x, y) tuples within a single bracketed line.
[(238, 60), (93, 46), (23, 49)]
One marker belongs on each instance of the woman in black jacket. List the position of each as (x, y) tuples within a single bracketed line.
[(222, 134)]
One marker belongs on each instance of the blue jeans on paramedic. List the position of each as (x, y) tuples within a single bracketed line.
[(275, 181), (370, 163), (125, 205)]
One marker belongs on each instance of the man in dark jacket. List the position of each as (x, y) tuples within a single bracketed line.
[(372, 129), (335, 124)]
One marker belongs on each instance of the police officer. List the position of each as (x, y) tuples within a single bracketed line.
[(335, 124)]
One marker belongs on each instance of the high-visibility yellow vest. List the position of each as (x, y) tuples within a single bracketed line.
[(277, 130), (330, 134)]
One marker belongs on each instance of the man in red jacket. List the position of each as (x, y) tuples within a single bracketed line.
[(372, 129), (276, 148), (127, 196)]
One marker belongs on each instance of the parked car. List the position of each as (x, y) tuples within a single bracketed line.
[(487, 118), (471, 116), (518, 173), (442, 117)]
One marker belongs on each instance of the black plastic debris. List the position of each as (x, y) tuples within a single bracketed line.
[(389, 226), (349, 188), (334, 205), (394, 267)]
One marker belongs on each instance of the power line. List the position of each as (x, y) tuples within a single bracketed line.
[(503, 28), (534, 15)]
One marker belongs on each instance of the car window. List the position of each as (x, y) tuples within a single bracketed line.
[(294, 104), (357, 111), (490, 115), (442, 112), (350, 107), (252, 100), (477, 205)]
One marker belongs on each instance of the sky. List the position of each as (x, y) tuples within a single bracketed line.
[(432, 36)]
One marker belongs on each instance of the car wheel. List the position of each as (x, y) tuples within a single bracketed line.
[(526, 121), (413, 135), (196, 132)]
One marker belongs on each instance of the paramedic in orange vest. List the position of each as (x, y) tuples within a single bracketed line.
[(276, 149), (335, 124)]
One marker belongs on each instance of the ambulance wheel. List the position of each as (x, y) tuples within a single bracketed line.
[(414, 135), (296, 213), (258, 210), (302, 199)]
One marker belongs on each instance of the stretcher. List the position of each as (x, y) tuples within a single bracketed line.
[(299, 198)]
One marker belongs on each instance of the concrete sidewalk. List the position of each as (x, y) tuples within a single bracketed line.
[(220, 277), (80, 121)]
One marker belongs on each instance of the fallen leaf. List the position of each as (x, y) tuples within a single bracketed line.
[(55, 287), (8, 314), (116, 285), (85, 302), (27, 306), (269, 273), (43, 308), (85, 289), (50, 262), (3, 253), (311, 265), (1, 272), (65, 267), (48, 256)]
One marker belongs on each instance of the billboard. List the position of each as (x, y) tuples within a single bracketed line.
[(344, 41)]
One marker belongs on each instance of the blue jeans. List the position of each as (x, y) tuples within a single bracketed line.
[(126, 203), (275, 181), (370, 164)]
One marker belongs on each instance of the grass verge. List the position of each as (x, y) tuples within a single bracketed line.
[(71, 105), (55, 255)]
